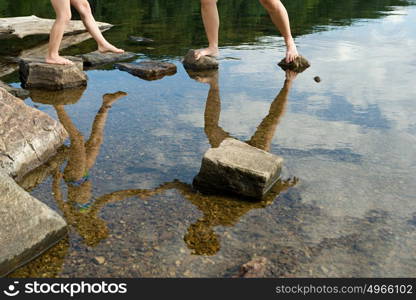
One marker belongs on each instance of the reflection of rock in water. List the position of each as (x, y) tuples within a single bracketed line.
[(48, 265), (65, 97)]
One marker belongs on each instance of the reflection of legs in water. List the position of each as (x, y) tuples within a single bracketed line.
[(76, 166), (92, 146), (265, 132), (213, 131), (211, 21)]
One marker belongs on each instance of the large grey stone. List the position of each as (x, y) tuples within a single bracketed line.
[(148, 70), (97, 58), (28, 137), (204, 63), (239, 168), (36, 74), (27, 226)]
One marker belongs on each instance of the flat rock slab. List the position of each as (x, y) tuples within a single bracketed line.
[(17, 92), (27, 226), (28, 137), (148, 70), (21, 27), (97, 58), (36, 74), (239, 168), (140, 40), (204, 63), (299, 65)]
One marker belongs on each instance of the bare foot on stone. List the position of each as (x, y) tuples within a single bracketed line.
[(291, 51), (110, 49), (210, 51), (58, 60)]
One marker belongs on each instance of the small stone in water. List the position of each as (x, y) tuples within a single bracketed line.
[(317, 79), (99, 260)]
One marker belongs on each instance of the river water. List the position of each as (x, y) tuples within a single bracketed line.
[(346, 204)]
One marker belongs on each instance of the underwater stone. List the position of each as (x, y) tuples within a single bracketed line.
[(27, 226), (255, 268), (140, 40), (97, 58), (148, 70), (299, 65), (204, 63), (239, 168), (36, 74), (28, 137), (20, 93)]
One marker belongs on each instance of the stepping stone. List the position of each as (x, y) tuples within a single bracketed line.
[(204, 63), (36, 74), (299, 65), (140, 40), (97, 58), (27, 226), (148, 70), (239, 168), (20, 93), (28, 137)]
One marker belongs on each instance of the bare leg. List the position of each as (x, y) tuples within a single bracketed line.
[(63, 16), (84, 9), (211, 21), (280, 18)]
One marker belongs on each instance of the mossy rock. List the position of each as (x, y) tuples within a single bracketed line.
[(299, 65)]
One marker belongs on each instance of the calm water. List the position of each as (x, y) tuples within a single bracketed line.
[(348, 139)]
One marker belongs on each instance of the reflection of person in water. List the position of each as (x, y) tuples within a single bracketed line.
[(221, 210)]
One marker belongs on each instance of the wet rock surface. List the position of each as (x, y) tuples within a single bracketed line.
[(204, 63), (28, 137), (255, 268), (239, 168), (148, 70), (20, 93), (97, 58), (299, 65), (28, 227), (36, 74)]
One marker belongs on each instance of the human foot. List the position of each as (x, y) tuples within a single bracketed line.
[(58, 60), (109, 99), (210, 51), (110, 48), (291, 50)]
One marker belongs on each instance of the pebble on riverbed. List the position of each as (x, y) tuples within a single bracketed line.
[(299, 65), (99, 260)]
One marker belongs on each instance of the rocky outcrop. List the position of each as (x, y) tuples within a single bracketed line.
[(97, 58), (239, 168), (299, 65), (36, 74), (28, 137), (20, 27), (27, 226), (20, 93), (204, 63), (148, 70)]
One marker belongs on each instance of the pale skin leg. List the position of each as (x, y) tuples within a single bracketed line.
[(84, 9), (63, 16), (276, 10)]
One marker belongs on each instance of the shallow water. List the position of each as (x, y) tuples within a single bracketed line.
[(348, 139)]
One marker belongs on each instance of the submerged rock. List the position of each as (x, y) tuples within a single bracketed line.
[(149, 70), (204, 63), (299, 65), (238, 168), (27, 226), (36, 74), (97, 58), (20, 93), (28, 137), (140, 39), (255, 268), (317, 79)]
